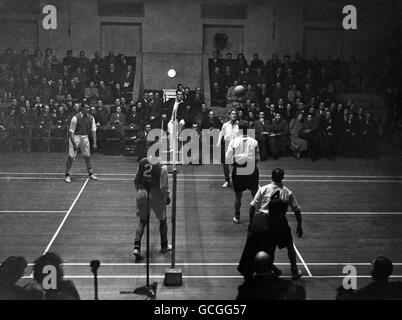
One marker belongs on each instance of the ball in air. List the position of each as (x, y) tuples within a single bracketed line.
[(239, 91), (171, 73)]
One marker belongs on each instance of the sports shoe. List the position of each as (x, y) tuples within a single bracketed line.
[(137, 254), (296, 274), (67, 179), (93, 177), (166, 249), (236, 220), (226, 184), (276, 271)]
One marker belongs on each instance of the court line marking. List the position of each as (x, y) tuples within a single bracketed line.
[(202, 277), (31, 211), (212, 175), (302, 261), (215, 180), (65, 217), (131, 264)]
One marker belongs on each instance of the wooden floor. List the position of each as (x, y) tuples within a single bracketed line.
[(351, 214)]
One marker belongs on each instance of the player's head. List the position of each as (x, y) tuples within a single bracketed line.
[(84, 108), (263, 262), (233, 115), (179, 95), (382, 269), (277, 175), (243, 126)]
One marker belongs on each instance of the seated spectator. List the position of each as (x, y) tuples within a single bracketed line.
[(102, 115), (45, 118), (75, 90), (211, 122), (348, 135), (370, 137), (380, 289), (241, 62), (289, 113), (266, 285), (62, 117), (311, 135), (133, 118), (118, 92), (230, 95), (80, 77), (217, 77), (278, 143), (250, 93), (328, 136), (118, 118), (256, 63), (95, 74), (297, 144), (59, 91), (293, 93), (91, 92), (261, 127), (105, 93), (62, 289), (111, 76), (83, 62), (69, 60), (217, 96), (278, 92)]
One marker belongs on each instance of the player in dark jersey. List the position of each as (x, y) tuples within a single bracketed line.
[(153, 178)]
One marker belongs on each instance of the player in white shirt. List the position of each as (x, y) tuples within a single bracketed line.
[(229, 131), (243, 154), (280, 230)]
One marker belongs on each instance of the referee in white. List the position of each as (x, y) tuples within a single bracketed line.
[(243, 154), (81, 126)]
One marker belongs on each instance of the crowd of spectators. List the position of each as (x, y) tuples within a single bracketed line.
[(43, 89), (294, 104)]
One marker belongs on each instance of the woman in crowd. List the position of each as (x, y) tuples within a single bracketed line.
[(297, 144)]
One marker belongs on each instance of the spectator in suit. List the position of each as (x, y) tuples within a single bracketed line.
[(97, 60), (102, 115), (280, 108), (217, 77), (211, 122), (241, 62), (262, 127), (265, 284), (217, 96), (133, 118), (297, 144), (69, 60), (279, 143), (256, 63), (360, 123), (111, 75), (118, 118), (348, 136), (91, 92), (128, 79), (278, 92), (75, 90), (327, 136), (370, 137), (105, 93), (95, 74), (311, 135)]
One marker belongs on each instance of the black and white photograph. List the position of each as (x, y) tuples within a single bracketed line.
[(193, 152)]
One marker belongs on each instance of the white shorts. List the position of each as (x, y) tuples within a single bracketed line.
[(82, 143)]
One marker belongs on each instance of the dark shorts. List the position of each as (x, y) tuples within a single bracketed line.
[(245, 182), (281, 236)]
